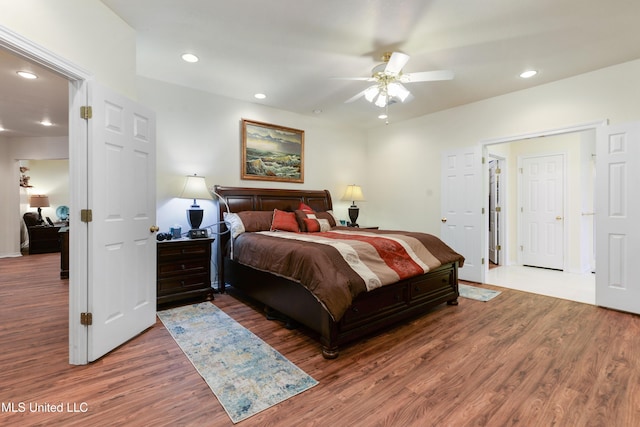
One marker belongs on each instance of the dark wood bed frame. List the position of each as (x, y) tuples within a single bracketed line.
[(369, 312)]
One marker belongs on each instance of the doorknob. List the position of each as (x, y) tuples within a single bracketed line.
[(444, 219), (154, 228)]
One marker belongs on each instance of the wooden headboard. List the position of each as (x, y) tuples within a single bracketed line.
[(263, 199)]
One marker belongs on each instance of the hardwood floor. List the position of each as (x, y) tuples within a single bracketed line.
[(520, 359)]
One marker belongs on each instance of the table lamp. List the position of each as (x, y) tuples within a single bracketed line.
[(195, 188), (39, 201), (353, 193)]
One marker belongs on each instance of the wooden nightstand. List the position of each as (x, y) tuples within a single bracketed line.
[(184, 270)]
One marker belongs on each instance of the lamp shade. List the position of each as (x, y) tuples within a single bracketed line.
[(195, 187), (39, 201), (353, 193)]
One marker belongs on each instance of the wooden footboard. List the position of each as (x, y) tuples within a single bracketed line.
[(369, 312)]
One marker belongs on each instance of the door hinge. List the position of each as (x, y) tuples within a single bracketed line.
[(483, 160), (498, 170), (482, 261), (482, 211), (86, 112), (521, 248), (86, 215), (86, 319), (498, 248), (498, 209)]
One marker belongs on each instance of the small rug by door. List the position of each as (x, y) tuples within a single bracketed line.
[(245, 373), (478, 294)]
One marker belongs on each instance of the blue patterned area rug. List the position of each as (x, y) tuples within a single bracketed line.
[(245, 373), (478, 294)]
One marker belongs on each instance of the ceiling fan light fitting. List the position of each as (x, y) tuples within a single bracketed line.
[(382, 100), (371, 92), (396, 90)]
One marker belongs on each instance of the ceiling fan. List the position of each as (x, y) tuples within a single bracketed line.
[(389, 80)]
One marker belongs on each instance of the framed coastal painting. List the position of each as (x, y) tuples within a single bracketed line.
[(271, 152)]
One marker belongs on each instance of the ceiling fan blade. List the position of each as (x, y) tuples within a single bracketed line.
[(355, 97), (362, 79), (396, 63), (427, 76)]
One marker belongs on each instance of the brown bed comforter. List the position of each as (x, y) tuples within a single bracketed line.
[(338, 265)]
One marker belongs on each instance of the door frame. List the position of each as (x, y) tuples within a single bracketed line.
[(485, 143), (78, 189)]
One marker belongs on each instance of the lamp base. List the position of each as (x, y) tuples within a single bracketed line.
[(194, 215), (353, 215)]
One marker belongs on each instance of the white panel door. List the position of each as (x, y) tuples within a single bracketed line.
[(542, 211), (462, 226), (122, 245), (618, 217)]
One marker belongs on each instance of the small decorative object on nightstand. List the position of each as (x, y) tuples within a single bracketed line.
[(184, 270)]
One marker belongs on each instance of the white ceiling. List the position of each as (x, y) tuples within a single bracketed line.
[(291, 49), (25, 103)]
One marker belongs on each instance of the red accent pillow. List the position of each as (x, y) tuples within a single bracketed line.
[(312, 225), (304, 208), (284, 221)]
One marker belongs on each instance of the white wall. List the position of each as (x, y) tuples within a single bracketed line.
[(403, 183), (198, 132), (9, 208), (84, 32)]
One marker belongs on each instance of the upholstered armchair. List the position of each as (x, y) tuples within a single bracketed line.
[(42, 238)]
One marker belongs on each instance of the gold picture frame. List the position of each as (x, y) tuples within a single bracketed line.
[(272, 152)]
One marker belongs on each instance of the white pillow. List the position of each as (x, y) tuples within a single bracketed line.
[(234, 223), (324, 224)]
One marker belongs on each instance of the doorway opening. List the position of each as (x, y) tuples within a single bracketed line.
[(575, 281), (74, 79)]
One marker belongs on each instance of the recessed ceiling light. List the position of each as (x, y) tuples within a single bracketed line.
[(260, 96), (189, 57), (26, 75), (317, 111), (2, 129), (382, 116), (46, 123), (527, 74)]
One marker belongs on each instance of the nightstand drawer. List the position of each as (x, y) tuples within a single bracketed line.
[(172, 250), (187, 266), (183, 283)]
